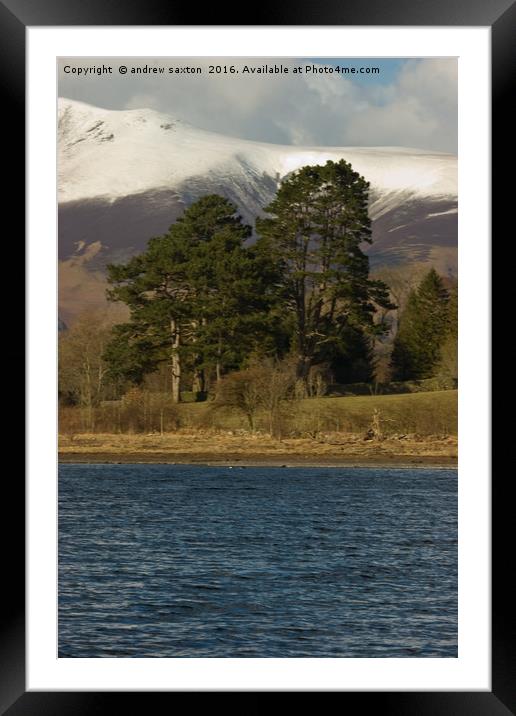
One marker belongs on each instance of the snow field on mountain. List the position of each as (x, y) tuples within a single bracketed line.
[(111, 154)]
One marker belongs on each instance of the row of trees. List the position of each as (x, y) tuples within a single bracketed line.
[(207, 307), (204, 300)]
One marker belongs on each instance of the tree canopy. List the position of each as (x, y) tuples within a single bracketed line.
[(197, 296), (209, 297), (317, 225)]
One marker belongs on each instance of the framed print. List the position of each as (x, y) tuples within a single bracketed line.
[(257, 483)]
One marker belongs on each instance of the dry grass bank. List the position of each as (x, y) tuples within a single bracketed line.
[(418, 428), (432, 413)]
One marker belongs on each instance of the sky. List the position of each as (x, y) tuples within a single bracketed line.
[(409, 103)]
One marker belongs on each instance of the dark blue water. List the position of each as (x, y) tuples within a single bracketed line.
[(196, 561)]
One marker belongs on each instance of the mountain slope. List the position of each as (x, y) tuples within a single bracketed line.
[(125, 176)]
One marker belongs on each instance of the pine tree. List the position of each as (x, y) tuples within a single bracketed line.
[(197, 297), (448, 369), (319, 221), (233, 299), (422, 329)]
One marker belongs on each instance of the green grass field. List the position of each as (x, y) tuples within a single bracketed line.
[(432, 413)]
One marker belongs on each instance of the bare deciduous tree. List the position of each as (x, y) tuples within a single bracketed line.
[(262, 387), (82, 370)]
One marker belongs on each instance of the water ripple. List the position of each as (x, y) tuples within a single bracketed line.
[(193, 561)]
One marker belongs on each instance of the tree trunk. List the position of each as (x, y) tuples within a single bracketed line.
[(198, 383), (302, 374), (176, 361), (218, 368), (250, 420)]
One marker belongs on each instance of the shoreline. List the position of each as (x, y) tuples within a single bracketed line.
[(259, 460), (245, 450)]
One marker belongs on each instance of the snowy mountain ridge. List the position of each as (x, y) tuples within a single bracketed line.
[(109, 154)]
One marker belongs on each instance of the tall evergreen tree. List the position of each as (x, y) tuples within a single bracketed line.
[(319, 221), (234, 290), (191, 295), (448, 368), (422, 329)]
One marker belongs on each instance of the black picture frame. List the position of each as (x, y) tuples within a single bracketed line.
[(15, 17)]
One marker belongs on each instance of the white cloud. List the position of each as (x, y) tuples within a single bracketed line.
[(417, 109)]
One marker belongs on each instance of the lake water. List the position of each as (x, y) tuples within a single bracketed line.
[(197, 561)]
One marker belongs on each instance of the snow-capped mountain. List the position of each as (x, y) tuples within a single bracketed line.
[(125, 176)]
